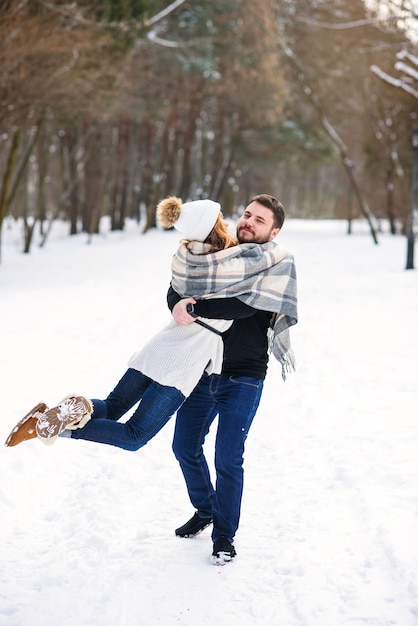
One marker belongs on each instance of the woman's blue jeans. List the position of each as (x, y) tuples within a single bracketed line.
[(235, 400), (157, 405)]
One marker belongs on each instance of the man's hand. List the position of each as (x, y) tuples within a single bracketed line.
[(180, 314)]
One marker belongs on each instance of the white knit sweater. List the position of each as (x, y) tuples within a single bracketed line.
[(178, 355)]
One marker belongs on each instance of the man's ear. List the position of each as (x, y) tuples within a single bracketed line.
[(274, 233)]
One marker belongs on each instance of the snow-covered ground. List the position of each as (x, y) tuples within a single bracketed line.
[(328, 533)]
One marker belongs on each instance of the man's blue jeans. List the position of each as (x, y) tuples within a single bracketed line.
[(235, 400), (157, 405)]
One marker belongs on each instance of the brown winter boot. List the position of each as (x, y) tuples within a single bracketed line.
[(69, 412), (26, 428)]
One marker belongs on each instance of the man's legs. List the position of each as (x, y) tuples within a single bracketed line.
[(236, 399), (192, 425)]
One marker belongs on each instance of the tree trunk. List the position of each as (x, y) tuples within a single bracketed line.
[(72, 191), (92, 208), (8, 176), (43, 159), (389, 199), (120, 189), (195, 107), (148, 133)]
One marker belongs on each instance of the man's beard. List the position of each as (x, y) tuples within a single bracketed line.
[(250, 237)]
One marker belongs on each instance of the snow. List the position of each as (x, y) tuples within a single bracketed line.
[(328, 533)]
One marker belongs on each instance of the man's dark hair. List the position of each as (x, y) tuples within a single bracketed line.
[(274, 205)]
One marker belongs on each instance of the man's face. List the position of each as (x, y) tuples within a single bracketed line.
[(256, 224)]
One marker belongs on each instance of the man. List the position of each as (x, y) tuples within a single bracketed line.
[(233, 395)]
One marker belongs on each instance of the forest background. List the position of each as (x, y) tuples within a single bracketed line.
[(107, 106)]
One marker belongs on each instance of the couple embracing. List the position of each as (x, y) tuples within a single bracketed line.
[(233, 300)]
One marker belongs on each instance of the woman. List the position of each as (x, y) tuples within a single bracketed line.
[(162, 374)]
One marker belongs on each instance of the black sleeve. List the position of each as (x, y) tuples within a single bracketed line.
[(172, 298), (215, 308)]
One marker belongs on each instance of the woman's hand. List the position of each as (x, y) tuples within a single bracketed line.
[(180, 314)]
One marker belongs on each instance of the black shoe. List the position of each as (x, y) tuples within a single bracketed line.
[(223, 551), (194, 526)]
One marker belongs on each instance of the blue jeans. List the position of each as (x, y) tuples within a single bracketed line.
[(157, 405), (235, 400)]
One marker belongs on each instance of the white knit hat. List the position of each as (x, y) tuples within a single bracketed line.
[(194, 220)]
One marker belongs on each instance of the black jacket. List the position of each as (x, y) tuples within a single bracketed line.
[(245, 342)]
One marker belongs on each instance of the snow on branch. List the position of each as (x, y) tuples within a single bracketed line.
[(406, 69), (399, 83), (152, 36), (73, 11), (159, 16), (405, 54), (367, 21), (406, 66)]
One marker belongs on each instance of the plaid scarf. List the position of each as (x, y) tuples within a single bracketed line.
[(260, 275)]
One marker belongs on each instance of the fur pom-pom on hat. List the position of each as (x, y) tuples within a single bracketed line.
[(194, 220), (168, 211)]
